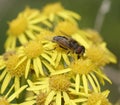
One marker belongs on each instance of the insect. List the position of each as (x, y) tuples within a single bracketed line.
[(69, 44)]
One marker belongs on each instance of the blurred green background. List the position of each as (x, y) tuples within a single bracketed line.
[(88, 10)]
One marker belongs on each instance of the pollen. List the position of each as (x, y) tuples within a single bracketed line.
[(52, 8), (59, 83), (66, 27), (33, 49), (40, 99), (11, 64), (82, 66), (17, 26), (96, 98), (97, 55), (3, 101)]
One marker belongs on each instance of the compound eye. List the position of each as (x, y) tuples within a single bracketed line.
[(80, 50)]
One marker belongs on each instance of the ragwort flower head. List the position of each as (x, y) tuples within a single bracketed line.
[(98, 99), (86, 71), (66, 28), (36, 55), (57, 89), (99, 55), (24, 27), (93, 36), (10, 72), (56, 12)]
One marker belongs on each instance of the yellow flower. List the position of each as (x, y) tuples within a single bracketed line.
[(98, 99), (46, 37), (84, 72), (100, 55), (93, 36), (9, 72), (24, 27), (60, 55), (8, 98), (52, 8), (54, 70), (55, 12), (97, 55), (66, 28), (37, 58), (55, 90)]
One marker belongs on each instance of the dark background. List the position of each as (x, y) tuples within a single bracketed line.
[(88, 10)]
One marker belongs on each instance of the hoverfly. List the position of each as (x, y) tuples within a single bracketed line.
[(69, 44)]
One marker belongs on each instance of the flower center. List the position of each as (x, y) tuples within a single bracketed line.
[(59, 83), (94, 36), (33, 49), (82, 66), (66, 27), (11, 64), (97, 55), (94, 98), (40, 99), (17, 26), (3, 101)]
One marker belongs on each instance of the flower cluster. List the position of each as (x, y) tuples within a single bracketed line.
[(50, 60)]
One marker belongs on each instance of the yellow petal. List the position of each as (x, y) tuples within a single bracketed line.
[(17, 83), (103, 76), (80, 100), (73, 14), (48, 59), (22, 38), (61, 71), (45, 22), (58, 98), (36, 28), (65, 57), (81, 40), (85, 83), (16, 93), (50, 97), (96, 81), (3, 74), (27, 68), (30, 34), (8, 93), (77, 82), (39, 64), (49, 67), (92, 83), (66, 98), (34, 88), (36, 69), (6, 82), (58, 59), (54, 55), (20, 62)]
